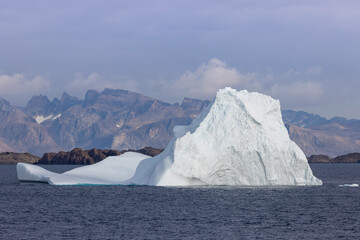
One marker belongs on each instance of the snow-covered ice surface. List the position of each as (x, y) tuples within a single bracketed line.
[(110, 171), (239, 139), (349, 185)]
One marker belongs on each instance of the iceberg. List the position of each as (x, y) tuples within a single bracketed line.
[(238, 140), (349, 185), (111, 171)]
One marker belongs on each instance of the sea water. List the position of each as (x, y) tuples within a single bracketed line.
[(41, 211)]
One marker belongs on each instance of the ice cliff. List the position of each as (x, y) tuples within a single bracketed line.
[(239, 139)]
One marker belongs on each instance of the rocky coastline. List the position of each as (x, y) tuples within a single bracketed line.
[(347, 158), (13, 158), (78, 156)]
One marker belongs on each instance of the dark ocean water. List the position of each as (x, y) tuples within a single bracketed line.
[(41, 211)]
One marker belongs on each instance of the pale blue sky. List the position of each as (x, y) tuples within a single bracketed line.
[(306, 53)]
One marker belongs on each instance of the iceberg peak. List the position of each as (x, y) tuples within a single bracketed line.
[(239, 139)]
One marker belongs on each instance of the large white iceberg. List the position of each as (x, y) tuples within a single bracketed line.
[(239, 139)]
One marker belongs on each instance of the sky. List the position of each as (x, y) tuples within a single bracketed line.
[(305, 53)]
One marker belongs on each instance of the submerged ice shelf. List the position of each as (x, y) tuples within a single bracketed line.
[(239, 139)]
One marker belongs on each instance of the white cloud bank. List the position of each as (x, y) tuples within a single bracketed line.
[(18, 86), (209, 77), (297, 94), (294, 88), (81, 83)]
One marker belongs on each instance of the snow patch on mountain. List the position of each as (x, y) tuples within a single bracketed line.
[(40, 119), (57, 116)]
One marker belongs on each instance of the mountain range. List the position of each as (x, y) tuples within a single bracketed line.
[(120, 119)]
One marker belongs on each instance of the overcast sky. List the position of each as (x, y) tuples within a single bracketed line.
[(305, 53)]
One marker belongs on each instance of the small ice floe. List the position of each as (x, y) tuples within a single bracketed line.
[(349, 185)]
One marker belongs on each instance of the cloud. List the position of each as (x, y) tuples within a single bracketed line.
[(19, 84), (81, 83), (18, 87), (316, 70), (294, 88), (297, 94), (211, 76)]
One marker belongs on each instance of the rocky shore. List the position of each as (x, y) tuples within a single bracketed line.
[(77, 156), (84, 157), (347, 158), (13, 158)]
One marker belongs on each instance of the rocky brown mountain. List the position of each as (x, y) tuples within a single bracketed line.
[(347, 158), (321, 158), (112, 119), (318, 135), (316, 141), (19, 132), (118, 119), (77, 156), (82, 157), (302, 119), (194, 106), (150, 151), (40, 106), (13, 158)]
